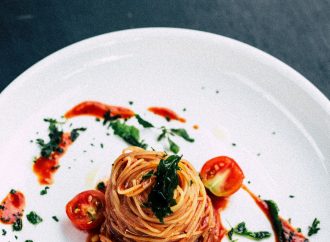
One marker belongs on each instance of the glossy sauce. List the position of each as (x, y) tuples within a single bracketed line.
[(12, 207), (98, 109), (45, 168), (288, 230), (166, 113)]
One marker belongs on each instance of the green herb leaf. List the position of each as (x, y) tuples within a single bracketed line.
[(143, 122), (18, 225), (276, 222), (128, 133), (108, 118), (44, 191), (55, 218), (160, 198), (241, 229), (163, 134), (101, 186), (313, 229), (34, 218), (147, 175), (182, 133), (173, 146), (75, 133), (4, 232), (28, 240)]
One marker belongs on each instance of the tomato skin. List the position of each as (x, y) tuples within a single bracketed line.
[(86, 209), (222, 176)]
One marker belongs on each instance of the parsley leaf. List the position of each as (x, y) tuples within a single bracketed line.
[(160, 198), (108, 118), (55, 218), (241, 229), (173, 146), (313, 229), (75, 133), (101, 186), (182, 133), (143, 122), (34, 218), (163, 134), (128, 133), (44, 191)]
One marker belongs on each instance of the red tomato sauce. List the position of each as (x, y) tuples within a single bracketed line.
[(166, 113), (45, 168), (98, 109), (288, 229), (12, 207)]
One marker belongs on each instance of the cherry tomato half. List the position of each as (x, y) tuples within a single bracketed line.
[(86, 209), (12, 207), (222, 176)]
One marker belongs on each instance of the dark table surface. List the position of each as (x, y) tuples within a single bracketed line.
[(296, 31)]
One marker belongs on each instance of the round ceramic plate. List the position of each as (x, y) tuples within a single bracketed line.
[(247, 104)]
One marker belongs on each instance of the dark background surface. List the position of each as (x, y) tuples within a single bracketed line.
[(295, 31)]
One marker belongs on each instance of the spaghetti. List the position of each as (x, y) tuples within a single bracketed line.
[(128, 219)]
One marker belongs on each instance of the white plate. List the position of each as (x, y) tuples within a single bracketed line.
[(234, 92)]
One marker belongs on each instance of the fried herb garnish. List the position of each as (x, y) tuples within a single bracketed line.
[(160, 198)]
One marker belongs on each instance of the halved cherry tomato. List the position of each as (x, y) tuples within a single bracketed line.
[(86, 209), (222, 176), (12, 207)]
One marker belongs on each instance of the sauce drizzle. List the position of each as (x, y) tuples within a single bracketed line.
[(98, 109), (45, 167), (166, 113)]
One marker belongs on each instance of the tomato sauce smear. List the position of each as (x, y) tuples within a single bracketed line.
[(12, 207), (45, 167), (166, 113), (290, 233), (98, 109)]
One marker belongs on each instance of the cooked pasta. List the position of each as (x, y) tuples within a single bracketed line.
[(128, 219)]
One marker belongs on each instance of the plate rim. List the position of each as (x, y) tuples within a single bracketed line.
[(299, 80)]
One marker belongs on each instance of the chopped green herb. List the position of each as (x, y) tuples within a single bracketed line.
[(44, 191), (34, 218), (313, 229), (130, 102), (163, 134), (173, 146), (182, 133), (291, 196), (2, 207), (75, 133), (233, 144), (101, 186), (55, 218), (55, 137), (160, 198), (18, 225), (299, 230), (12, 191), (97, 120), (276, 222), (143, 122), (4, 232), (241, 229), (108, 118), (128, 133), (147, 175), (168, 119), (28, 240), (184, 109), (102, 145)]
